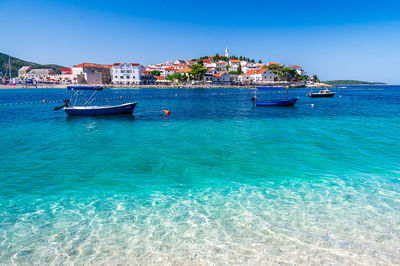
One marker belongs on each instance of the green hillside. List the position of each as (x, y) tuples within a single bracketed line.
[(352, 82), (17, 63)]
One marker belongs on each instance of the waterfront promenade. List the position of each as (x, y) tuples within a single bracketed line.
[(173, 86)]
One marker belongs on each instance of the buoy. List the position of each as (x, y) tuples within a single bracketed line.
[(121, 97), (312, 105), (44, 101), (166, 112)]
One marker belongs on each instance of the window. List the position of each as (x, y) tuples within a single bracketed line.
[(129, 71), (116, 77), (121, 77), (122, 71), (128, 77), (133, 77)]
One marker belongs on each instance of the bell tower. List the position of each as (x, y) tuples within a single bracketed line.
[(227, 53)]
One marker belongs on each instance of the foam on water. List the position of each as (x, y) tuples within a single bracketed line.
[(248, 186)]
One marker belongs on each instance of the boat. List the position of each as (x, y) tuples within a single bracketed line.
[(86, 109), (281, 102), (321, 93), (287, 102)]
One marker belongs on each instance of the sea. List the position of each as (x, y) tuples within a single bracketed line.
[(216, 182)]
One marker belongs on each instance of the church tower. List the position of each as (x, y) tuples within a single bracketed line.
[(226, 53)]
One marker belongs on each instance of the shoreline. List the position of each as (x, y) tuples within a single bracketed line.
[(179, 86)]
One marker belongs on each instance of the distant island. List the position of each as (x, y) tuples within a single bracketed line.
[(352, 82), (17, 63)]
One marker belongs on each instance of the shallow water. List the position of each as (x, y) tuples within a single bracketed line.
[(217, 181)]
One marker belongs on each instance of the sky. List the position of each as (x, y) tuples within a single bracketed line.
[(333, 39)]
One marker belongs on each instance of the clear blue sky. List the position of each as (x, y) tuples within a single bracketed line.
[(350, 39)]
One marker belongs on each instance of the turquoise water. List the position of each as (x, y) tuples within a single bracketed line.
[(217, 181)]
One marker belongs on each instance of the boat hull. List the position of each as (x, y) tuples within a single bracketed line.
[(321, 95), (126, 108), (288, 102)]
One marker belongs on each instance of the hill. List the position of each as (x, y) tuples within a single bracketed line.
[(352, 82), (17, 63)]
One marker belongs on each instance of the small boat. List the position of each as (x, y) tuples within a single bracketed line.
[(126, 108), (321, 93), (281, 102), (287, 102), (86, 109)]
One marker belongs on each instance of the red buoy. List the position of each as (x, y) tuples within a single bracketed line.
[(121, 97), (44, 101), (166, 112)]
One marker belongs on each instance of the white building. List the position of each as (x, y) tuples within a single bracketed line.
[(260, 75), (126, 73)]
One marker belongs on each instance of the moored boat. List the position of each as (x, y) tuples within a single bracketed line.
[(86, 109), (321, 93), (126, 108), (287, 102), (280, 102)]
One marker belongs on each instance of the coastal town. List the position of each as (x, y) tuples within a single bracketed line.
[(207, 71)]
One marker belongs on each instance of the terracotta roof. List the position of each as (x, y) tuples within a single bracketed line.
[(185, 69), (160, 78), (92, 65), (294, 66), (256, 71), (169, 68), (273, 63), (235, 61), (219, 74)]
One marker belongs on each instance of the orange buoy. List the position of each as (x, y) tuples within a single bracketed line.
[(121, 97), (166, 112), (44, 101)]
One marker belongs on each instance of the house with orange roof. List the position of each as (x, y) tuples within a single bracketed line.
[(169, 71), (126, 73), (219, 66), (261, 75), (220, 78)]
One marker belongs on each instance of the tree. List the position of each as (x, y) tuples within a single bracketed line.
[(216, 58), (259, 61), (239, 70), (316, 79), (283, 73), (198, 71), (227, 67), (155, 73), (240, 58)]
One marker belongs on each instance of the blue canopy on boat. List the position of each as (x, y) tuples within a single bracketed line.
[(270, 88), (84, 88)]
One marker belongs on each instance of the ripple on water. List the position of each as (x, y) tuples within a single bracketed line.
[(313, 223)]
